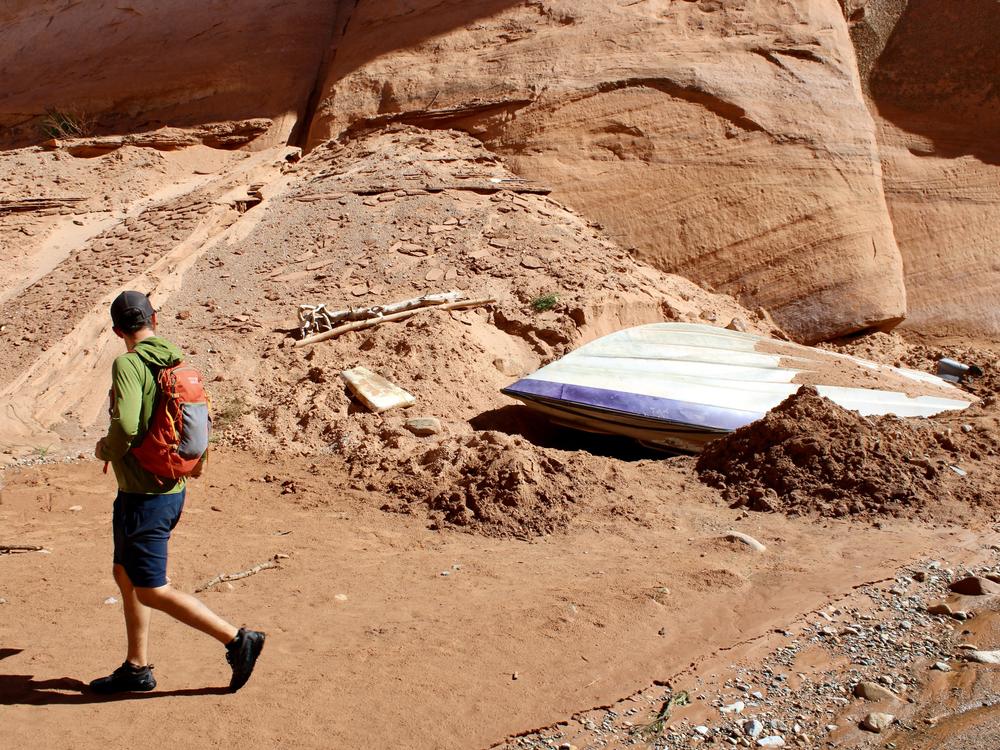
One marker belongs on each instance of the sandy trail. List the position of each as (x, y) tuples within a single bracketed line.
[(410, 658)]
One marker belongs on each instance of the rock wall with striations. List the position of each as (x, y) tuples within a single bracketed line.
[(725, 140), (132, 65), (932, 70)]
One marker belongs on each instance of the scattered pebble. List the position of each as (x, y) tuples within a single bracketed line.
[(110, 600), (871, 691), (423, 426), (733, 708), (774, 740), (877, 722)]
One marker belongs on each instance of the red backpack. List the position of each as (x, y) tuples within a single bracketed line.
[(180, 426)]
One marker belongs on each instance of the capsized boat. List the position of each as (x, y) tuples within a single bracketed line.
[(681, 385)]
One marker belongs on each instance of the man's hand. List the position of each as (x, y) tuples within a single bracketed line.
[(99, 449)]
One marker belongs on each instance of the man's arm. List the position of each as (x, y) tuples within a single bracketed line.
[(126, 383)]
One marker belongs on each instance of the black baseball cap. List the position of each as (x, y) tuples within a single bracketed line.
[(131, 311)]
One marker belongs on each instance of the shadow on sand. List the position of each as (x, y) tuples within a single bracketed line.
[(25, 690)]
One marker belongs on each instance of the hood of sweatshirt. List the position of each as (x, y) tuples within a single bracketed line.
[(158, 352)]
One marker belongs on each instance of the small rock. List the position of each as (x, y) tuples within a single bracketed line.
[(567, 746), (446, 572), (872, 691), (507, 366), (877, 722), (975, 586), (2, 600), (75, 508), (920, 576), (733, 708), (340, 597), (752, 728), (941, 666), (775, 740), (984, 657), (110, 600), (736, 536), (703, 730), (530, 261), (939, 609), (515, 676), (423, 426)]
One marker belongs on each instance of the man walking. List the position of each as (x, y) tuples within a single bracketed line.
[(147, 509)]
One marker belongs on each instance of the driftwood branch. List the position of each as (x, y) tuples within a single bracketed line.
[(467, 303), (317, 317), (371, 322), (225, 577), (12, 548)]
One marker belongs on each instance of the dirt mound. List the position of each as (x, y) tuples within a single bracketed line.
[(489, 483), (809, 455)]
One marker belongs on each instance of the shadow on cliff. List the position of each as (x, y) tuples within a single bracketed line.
[(939, 77), (367, 29), (187, 63)]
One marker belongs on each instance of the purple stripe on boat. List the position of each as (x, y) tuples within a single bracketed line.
[(650, 407)]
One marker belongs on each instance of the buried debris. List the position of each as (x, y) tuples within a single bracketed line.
[(224, 577), (319, 324), (10, 549), (749, 541), (374, 391), (957, 372), (680, 386)]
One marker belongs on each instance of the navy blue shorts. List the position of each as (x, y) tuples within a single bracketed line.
[(142, 526)]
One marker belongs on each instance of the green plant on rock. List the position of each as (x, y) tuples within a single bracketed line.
[(544, 302)]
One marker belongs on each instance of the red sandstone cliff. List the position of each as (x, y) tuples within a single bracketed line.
[(732, 141)]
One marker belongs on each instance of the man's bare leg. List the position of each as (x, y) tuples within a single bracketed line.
[(187, 609), (137, 617)]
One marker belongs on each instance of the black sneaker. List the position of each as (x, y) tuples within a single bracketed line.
[(242, 654), (128, 678)]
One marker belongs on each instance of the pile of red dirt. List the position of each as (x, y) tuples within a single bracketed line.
[(810, 456), (488, 483)]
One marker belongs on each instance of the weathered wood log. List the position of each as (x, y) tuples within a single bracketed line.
[(372, 322)]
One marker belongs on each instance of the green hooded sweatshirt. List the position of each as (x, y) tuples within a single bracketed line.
[(133, 396)]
